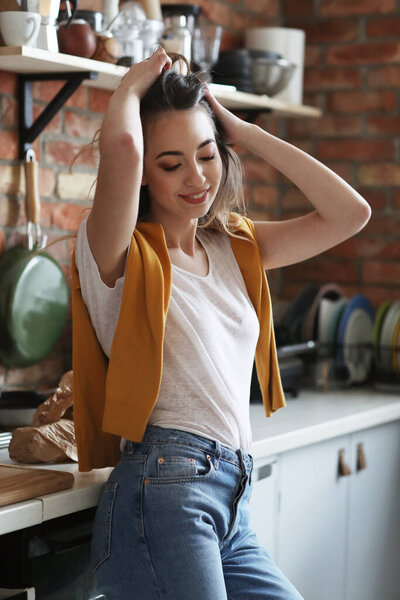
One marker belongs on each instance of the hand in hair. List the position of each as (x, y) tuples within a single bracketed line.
[(141, 75), (233, 126)]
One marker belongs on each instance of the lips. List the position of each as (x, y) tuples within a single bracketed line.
[(197, 198)]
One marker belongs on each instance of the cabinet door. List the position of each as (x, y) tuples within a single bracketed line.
[(312, 519), (374, 516), (263, 506)]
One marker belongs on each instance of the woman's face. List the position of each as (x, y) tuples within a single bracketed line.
[(182, 165)]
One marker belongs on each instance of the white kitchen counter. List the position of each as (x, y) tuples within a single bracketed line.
[(311, 417)]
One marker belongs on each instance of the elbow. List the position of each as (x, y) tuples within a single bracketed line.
[(364, 215), (121, 145)]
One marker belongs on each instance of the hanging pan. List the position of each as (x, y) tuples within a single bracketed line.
[(33, 289)]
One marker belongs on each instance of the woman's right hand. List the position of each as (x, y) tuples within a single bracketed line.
[(142, 75)]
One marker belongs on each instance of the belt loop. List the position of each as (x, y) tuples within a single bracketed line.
[(217, 453)]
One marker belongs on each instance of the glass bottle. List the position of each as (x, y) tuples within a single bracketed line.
[(176, 36)]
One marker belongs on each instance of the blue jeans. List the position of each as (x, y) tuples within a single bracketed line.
[(173, 524)]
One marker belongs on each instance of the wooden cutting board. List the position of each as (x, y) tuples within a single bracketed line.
[(23, 483)]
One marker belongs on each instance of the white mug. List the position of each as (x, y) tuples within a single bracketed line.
[(19, 28)]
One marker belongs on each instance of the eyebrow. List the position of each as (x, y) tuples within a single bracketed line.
[(177, 153)]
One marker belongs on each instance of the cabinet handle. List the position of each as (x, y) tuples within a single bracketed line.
[(361, 460), (344, 468)]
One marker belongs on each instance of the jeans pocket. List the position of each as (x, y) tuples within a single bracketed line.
[(101, 538), (172, 464)]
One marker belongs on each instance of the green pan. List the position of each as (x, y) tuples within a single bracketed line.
[(33, 289)]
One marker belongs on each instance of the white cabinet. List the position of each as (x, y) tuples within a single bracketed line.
[(335, 536), (263, 505), (312, 519), (374, 516)]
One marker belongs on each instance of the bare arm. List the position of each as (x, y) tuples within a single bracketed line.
[(339, 213), (116, 201)]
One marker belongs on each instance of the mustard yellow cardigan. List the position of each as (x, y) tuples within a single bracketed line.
[(115, 397)]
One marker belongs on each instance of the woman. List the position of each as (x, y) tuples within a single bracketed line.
[(181, 308)]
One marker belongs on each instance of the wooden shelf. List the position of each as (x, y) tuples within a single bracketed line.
[(24, 59)]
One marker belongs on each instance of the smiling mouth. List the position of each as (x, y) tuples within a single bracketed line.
[(196, 198)]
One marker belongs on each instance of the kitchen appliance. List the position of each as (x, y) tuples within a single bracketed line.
[(206, 41), (288, 42), (33, 290), (49, 9), (95, 18), (270, 76)]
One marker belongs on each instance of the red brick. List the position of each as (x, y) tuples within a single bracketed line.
[(265, 196), (231, 40), (387, 77), (2, 243), (361, 54), (65, 216), (259, 170), (8, 145), (383, 225), (378, 294), (355, 150), (81, 126), (388, 27), (54, 126), (62, 153), (328, 8), (328, 79), (259, 214), (396, 199), (243, 20), (383, 125), (312, 56), (8, 82), (98, 100), (9, 115), (294, 199), (366, 247), (375, 271), (344, 170), (46, 90), (269, 7), (376, 199), (298, 8), (379, 174), (326, 126), (322, 269), (90, 5), (331, 30), (361, 102)]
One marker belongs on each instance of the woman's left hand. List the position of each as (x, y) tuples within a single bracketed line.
[(232, 125)]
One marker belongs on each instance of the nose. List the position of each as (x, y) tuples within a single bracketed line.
[(195, 176)]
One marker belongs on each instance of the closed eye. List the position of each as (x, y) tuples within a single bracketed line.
[(174, 167)]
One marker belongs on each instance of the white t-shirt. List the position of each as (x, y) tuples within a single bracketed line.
[(211, 333)]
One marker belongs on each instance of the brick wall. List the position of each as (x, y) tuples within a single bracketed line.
[(352, 73)]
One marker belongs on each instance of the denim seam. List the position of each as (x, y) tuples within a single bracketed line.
[(173, 443)]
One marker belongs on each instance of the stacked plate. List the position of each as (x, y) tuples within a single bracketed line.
[(386, 338), (342, 327)]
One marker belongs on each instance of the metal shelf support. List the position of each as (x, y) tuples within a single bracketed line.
[(30, 129)]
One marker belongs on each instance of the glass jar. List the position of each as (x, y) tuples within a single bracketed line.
[(176, 36)]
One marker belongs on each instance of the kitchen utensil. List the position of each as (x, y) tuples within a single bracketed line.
[(288, 42), (205, 44), (33, 290), (386, 337), (19, 28), (310, 324), (23, 483), (49, 9), (77, 38), (346, 336), (379, 318), (108, 48), (357, 344), (271, 76), (149, 33), (95, 18), (191, 12)]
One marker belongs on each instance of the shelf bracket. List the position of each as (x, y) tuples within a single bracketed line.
[(30, 129)]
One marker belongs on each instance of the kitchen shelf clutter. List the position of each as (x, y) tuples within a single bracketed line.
[(24, 60)]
